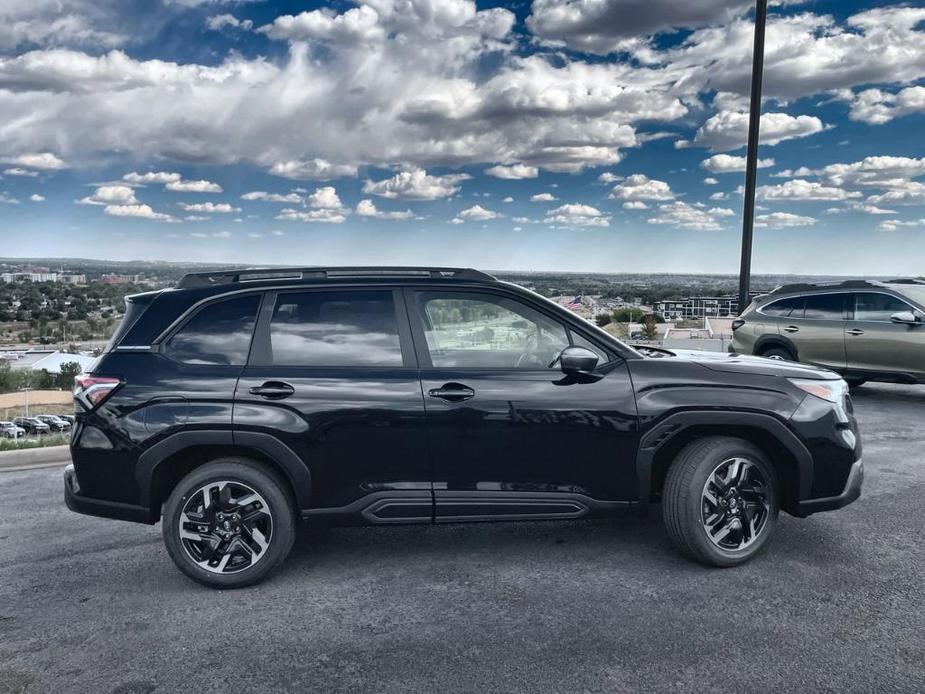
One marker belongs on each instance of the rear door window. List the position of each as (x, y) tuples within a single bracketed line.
[(219, 334), (825, 307), (335, 328)]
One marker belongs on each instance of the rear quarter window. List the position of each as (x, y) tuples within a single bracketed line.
[(219, 334)]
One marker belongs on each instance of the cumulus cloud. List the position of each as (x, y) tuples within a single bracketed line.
[(710, 181), (635, 205), (476, 213), (43, 161), (573, 215), (894, 224), (138, 210), (515, 171), (780, 220), (728, 163), (17, 171), (209, 207), (151, 177), (35, 197), (291, 198), (728, 130), (366, 208), (7, 199), (641, 187), (220, 21), (684, 216), (543, 197), (876, 107), (111, 195), (416, 184), (329, 216), (324, 198), (799, 189), (312, 169), (194, 187)]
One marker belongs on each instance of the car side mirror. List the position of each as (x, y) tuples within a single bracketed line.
[(577, 360), (905, 317)]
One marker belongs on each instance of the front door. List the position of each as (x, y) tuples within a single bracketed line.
[(818, 331), (874, 343), (509, 435), (332, 375)]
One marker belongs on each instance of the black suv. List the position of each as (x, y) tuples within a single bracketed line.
[(242, 401)]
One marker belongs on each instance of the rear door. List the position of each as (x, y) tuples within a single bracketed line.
[(874, 343), (818, 330), (333, 377)]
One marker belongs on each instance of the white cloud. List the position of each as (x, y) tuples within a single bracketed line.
[(780, 220), (324, 198), (799, 189), (900, 192), (329, 216), (196, 218), (220, 21), (576, 215), (312, 170), (7, 199), (151, 177), (35, 197), (727, 163), (608, 177), (543, 197), (291, 198), (44, 161), (508, 199), (721, 212), (728, 130), (635, 205), (476, 213), (366, 208), (194, 187), (515, 171), (876, 107), (137, 210), (111, 195), (209, 207), (719, 196), (416, 184), (710, 181), (641, 187), (16, 171), (894, 224), (684, 216)]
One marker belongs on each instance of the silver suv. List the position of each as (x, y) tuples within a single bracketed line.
[(863, 329)]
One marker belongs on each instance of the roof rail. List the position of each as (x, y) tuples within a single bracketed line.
[(209, 279), (905, 280), (808, 286)]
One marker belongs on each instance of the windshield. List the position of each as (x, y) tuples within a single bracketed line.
[(914, 292)]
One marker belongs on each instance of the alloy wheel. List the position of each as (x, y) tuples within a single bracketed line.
[(735, 504), (225, 527)]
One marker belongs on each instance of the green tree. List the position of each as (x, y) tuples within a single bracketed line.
[(628, 315), (603, 319), (650, 327)]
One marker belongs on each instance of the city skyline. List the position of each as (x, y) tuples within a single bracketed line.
[(556, 136)]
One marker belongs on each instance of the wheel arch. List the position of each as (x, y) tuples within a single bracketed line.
[(768, 341), (162, 466), (661, 444)]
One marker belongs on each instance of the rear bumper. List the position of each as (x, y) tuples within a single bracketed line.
[(850, 493), (100, 507)]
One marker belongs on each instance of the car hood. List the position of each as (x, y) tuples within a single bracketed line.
[(737, 363)]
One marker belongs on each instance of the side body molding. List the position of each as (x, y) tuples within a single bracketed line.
[(672, 425)]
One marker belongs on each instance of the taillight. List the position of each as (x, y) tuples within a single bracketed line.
[(737, 323), (92, 390)]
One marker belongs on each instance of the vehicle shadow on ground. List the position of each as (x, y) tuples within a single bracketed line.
[(889, 394)]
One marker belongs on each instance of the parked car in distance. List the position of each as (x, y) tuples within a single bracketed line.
[(240, 402), (864, 330), (32, 425), (69, 418), (54, 422), (11, 431)]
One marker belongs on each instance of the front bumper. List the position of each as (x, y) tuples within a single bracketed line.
[(100, 507), (850, 493)]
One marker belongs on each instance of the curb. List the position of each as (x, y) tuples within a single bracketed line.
[(34, 457)]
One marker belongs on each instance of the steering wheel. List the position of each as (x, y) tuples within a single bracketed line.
[(528, 358)]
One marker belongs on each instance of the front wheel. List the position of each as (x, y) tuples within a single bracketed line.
[(720, 501), (229, 523)]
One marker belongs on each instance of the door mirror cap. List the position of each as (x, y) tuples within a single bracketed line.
[(577, 360), (907, 317)]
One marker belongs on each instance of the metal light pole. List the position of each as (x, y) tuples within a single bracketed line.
[(751, 157)]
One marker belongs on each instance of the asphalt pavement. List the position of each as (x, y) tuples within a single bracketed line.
[(836, 605)]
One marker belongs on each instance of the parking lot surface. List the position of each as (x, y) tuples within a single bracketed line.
[(837, 604)]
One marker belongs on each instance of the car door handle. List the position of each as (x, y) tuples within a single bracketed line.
[(273, 390), (855, 331), (452, 392), (792, 329)]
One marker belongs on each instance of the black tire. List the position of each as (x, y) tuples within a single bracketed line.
[(778, 353), (683, 502), (855, 382), (277, 505)]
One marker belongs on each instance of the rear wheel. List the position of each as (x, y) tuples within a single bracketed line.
[(779, 353), (229, 523), (855, 382), (720, 501)]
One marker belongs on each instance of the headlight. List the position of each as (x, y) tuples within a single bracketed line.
[(833, 391)]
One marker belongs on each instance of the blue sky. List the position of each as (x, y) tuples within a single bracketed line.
[(594, 135)]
